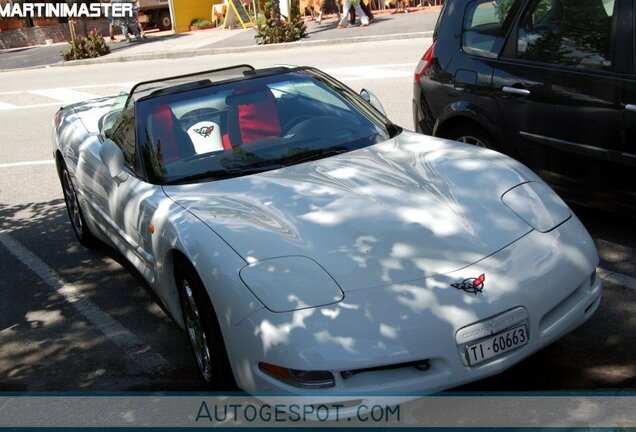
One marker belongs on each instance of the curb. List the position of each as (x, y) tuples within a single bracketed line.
[(157, 55)]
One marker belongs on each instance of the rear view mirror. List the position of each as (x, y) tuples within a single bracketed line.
[(373, 100), (112, 156)]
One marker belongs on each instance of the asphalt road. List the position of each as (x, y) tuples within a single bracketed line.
[(75, 319), (47, 55), (384, 24)]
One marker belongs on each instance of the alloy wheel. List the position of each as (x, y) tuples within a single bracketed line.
[(72, 204), (196, 332), (468, 139)]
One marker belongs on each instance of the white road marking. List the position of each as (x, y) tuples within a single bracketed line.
[(111, 328), (86, 86), (127, 85), (73, 94), (6, 106), (618, 278), (55, 104), (372, 71), (27, 163), (64, 95)]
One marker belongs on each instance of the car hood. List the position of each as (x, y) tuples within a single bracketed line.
[(409, 208)]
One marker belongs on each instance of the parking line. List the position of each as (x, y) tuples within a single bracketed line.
[(139, 351), (618, 278), (27, 163), (66, 95), (6, 106)]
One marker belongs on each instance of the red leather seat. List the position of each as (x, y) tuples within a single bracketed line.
[(169, 141), (252, 116)]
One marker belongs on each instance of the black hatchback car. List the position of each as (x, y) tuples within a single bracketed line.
[(549, 82)]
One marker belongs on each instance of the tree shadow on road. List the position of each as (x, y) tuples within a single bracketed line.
[(47, 345), (599, 355)]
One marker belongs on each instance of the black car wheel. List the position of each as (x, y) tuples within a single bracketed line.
[(165, 23), (75, 214), (203, 330), (474, 135)]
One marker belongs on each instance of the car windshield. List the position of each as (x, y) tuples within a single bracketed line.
[(252, 125)]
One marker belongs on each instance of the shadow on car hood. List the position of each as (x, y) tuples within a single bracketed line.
[(406, 209)]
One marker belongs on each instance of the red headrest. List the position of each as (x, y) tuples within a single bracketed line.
[(163, 133), (258, 120)]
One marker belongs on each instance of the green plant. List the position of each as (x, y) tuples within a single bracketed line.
[(502, 7), (203, 23), (271, 27), (91, 46), (200, 23)]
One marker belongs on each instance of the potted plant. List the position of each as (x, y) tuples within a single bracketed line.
[(200, 24)]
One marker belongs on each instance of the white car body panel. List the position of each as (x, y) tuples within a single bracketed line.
[(393, 226), (409, 228), (419, 320)]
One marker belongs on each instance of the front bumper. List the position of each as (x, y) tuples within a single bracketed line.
[(551, 275)]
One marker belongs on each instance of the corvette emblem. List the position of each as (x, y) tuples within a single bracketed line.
[(471, 285), (205, 131)]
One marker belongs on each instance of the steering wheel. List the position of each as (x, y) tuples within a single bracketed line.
[(293, 122), (321, 125)]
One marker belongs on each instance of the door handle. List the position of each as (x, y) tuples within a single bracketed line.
[(630, 107), (516, 91)]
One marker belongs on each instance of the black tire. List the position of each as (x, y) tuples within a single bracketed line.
[(471, 134), (164, 23), (206, 339), (75, 214)]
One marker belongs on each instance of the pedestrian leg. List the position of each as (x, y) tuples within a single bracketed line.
[(345, 14)]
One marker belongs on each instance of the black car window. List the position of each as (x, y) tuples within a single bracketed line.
[(483, 28), (575, 33), (123, 134)]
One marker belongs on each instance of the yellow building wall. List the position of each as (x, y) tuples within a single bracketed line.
[(186, 10)]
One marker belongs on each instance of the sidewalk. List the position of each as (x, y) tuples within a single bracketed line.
[(161, 45)]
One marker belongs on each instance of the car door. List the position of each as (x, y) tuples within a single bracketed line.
[(127, 207), (558, 90), (628, 97)]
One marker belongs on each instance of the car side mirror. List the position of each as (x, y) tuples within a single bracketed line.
[(112, 156), (373, 100)]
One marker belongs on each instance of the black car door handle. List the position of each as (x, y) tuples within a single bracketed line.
[(516, 91), (630, 107)]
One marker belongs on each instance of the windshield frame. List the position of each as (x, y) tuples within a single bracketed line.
[(359, 106)]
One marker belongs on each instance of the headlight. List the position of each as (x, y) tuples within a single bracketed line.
[(287, 284), (538, 205)]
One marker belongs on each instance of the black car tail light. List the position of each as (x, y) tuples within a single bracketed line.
[(425, 62)]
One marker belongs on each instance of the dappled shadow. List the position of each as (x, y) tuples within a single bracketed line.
[(599, 355), (614, 234), (395, 227), (47, 345)]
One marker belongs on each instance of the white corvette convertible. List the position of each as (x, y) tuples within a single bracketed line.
[(307, 244)]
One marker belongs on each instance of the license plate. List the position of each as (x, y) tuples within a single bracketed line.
[(497, 345)]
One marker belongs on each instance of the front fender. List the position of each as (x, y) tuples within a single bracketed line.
[(216, 263)]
